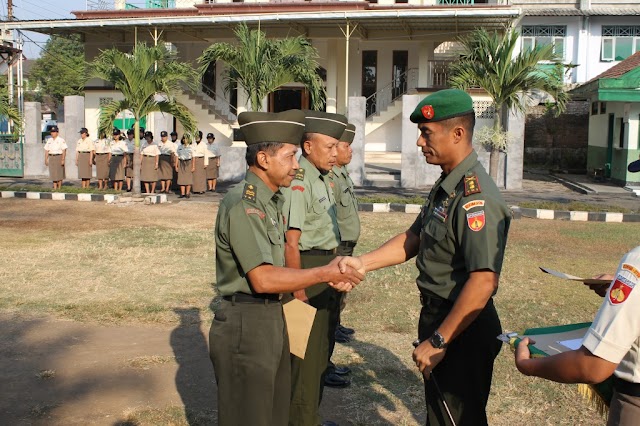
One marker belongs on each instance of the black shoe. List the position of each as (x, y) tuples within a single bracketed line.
[(188, 195), (342, 371), (182, 196), (340, 337), (333, 380), (346, 330)]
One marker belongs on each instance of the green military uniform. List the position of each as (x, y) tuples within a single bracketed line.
[(463, 228), (310, 208), (249, 345)]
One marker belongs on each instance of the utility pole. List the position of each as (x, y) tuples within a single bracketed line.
[(9, 10)]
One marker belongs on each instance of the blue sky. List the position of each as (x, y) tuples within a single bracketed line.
[(39, 9)]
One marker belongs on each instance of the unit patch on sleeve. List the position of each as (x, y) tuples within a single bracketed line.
[(297, 188), (471, 185), (620, 290), (476, 220), (299, 174), (256, 211), (249, 193), (471, 204)]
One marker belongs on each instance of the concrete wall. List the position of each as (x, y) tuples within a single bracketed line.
[(357, 118)]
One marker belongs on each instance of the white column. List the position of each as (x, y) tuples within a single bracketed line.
[(582, 49), (424, 70), (332, 77)]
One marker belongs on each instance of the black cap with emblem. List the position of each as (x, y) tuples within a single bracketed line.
[(286, 127)]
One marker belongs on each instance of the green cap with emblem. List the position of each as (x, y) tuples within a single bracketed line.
[(286, 127), (348, 134), (442, 105), (325, 123)]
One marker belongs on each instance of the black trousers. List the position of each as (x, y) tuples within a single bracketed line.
[(464, 375)]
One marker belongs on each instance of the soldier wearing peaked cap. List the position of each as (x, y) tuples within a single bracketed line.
[(312, 240), (249, 344), (458, 240)]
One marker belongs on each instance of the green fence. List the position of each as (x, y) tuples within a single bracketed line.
[(11, 159)]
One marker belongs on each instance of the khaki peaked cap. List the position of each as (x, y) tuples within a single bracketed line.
[(325, 123), (348, 134), (285, 127)]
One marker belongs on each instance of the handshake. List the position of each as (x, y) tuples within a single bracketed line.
[(344, 273)]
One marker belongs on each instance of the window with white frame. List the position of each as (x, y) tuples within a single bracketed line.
[(536, 36), (619, 42)]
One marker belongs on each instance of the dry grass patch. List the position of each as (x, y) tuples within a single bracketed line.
[(168, 416), (46, 374), (146, 362)]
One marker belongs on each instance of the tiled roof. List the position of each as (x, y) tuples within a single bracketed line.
[(572, 11), (631, 63)]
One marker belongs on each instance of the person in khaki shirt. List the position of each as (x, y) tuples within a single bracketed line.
[(312, 240), (55, 153), (118, 160), (131, 147), (85, 150), (102, 159), (254, 384)]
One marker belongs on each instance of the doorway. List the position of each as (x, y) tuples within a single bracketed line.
[(610, 132), (370, 78), (289, 98), (399, 73)]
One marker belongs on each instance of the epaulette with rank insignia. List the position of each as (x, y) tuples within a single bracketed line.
[(471, 185), (249, 193), (299, 174)]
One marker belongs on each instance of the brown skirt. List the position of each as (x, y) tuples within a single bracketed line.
[(185, 175), (56, 171), (165, 171), (128, 171), (212, 169), (116, 168), (102, 166), (149, 172), (199, 176), (85, 169)]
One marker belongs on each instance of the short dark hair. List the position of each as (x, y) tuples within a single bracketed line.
[(468, 121), (269, 147)]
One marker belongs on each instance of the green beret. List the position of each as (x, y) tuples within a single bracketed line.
[(325, 123), (442, 105), (285, 127), (348, 134)]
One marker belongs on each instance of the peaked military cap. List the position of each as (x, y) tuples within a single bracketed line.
[(325, 123), (116, 132), (163, 133), (442, 105), (287, 126), (634, 166), (348, 134)]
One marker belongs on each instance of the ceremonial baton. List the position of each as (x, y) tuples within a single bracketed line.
[(416, 343)]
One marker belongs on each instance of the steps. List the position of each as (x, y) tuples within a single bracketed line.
[(382, 169), (210, 120)]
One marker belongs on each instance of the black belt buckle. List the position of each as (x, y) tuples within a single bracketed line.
[(348, 244), (319, 252), (253, 298), (430, 301)]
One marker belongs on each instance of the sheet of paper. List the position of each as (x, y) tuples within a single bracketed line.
[(572, 344), (573, 277), (299, 317)]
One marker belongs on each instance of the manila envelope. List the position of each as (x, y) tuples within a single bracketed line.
[(299, 317)]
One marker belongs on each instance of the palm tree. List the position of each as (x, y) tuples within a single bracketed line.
[(149, 78), (11, 113), (260, 65), (489, 63)]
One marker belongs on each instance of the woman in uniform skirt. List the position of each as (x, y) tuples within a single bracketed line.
[(214, 162), (55, 151), (185, 166), (165, 169), (202, 161), (118, 162), (150, 154), (128, 169), (85, 150), (102, 160)]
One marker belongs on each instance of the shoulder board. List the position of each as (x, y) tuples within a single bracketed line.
[(299, 174), (249, 192), (471, 185)]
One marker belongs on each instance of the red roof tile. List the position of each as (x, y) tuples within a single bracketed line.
[(631, 63)]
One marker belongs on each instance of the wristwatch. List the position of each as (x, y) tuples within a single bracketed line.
[(437, 341)]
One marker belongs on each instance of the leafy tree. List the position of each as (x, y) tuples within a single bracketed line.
[(261, 65), (9, 110), (489, 63), (149, 78), (61, 70)]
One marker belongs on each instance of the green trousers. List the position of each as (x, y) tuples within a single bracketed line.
[(249, 348), (336, 306), (307, 375)]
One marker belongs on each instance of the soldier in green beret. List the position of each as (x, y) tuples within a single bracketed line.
[(458, 240), (349, 226), (312, 239), (248, 342)]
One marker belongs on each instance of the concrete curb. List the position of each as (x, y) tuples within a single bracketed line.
[(61, 196), (518, 213)]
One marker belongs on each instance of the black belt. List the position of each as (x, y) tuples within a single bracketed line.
[(348, 244), (84, 152), (627, 388), (54, 155), (253, 298), (318, 252), (165, 155), (101, 153), (116, 155), (434, 302), (145, 155)]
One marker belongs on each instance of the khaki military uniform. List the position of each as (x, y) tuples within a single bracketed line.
[(55, 148), (101, 159), (463, 228), (614, 336), (249, 345), (347, 210), (149, 152), (310, 207)]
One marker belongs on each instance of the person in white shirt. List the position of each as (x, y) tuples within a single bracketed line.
[(202, 161), (118, 163), (150, 155), (102, 160), (185, 166), (174, 181), (131, 146), (214, 162), (165, 169), (85, 150), (55, 152)]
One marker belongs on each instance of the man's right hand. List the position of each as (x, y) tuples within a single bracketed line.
[(301, 295), (352, 262), (343, 278), (601, 289)]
